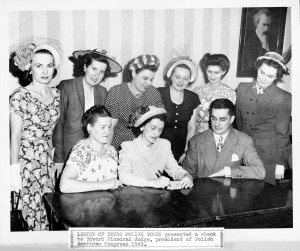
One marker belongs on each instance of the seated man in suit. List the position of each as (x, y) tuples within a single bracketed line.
[(223, 151)]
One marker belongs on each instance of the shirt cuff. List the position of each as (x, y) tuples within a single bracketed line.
[(227, 171)]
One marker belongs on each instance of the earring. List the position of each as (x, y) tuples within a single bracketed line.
[(142, 129)]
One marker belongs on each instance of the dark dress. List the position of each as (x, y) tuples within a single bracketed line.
[(179, 115)]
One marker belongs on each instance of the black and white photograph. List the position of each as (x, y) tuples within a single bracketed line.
[(149, 116)]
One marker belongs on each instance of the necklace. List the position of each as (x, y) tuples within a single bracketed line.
[(134, 93)]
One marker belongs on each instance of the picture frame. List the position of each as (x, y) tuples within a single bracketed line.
[(268, 22)]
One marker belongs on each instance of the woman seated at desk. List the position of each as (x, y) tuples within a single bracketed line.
[(92, 164), (143, 160)]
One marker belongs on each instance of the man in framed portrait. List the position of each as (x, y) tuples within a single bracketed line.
[(260, 41)]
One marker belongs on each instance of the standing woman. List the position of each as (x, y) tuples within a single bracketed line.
[(34, 111), (180, 104), (77, 96), (215, 67), (263, 111), (123, 99)]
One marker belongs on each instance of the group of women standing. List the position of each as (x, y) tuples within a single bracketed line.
[(129, 119)]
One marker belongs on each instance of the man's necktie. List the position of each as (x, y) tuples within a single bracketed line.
[(219, 145)]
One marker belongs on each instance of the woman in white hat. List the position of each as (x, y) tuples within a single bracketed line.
[(263, 111), (180, 104), (143, 160), (214, 67), (34, 111)]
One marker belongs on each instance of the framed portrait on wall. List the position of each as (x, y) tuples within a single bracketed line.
[(262, 30)]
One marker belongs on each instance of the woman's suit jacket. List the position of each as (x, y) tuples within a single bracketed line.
[(266, 119), (68, 129)]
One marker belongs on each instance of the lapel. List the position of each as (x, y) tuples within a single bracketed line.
[(210, 151), (227, 150), (268, 96), (253, 91), (80, 91)]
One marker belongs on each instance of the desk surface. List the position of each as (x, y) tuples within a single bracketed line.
[(210, 201)]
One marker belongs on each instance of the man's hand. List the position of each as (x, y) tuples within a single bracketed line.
[(264, 42), (221, 173)]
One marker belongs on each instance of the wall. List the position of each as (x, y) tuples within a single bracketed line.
[(128, 33)]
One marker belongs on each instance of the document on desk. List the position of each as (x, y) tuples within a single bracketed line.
[(174, 185)]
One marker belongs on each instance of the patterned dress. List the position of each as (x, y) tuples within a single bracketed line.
[(36, 153), (208, 94), (92, 166), (121, 103)]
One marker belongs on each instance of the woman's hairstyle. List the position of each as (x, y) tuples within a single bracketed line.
[(140, 63), (86, 60), (214, 60), (184, 66), (27, 77), (274, 64), (91, 116)]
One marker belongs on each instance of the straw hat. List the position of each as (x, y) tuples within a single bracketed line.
[(275, 57)]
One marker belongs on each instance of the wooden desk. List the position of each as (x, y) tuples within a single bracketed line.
[(213, 202)]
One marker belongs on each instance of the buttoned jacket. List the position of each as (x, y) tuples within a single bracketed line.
[(237, 152), (266, 119), (68, 129)]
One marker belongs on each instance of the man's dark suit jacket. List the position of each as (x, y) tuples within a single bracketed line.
[(68, 129)]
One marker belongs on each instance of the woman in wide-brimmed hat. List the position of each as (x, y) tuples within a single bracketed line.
[(143, 160), (34, 111), (78, 95), (180, 104), (123, 99), (263, 111)]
